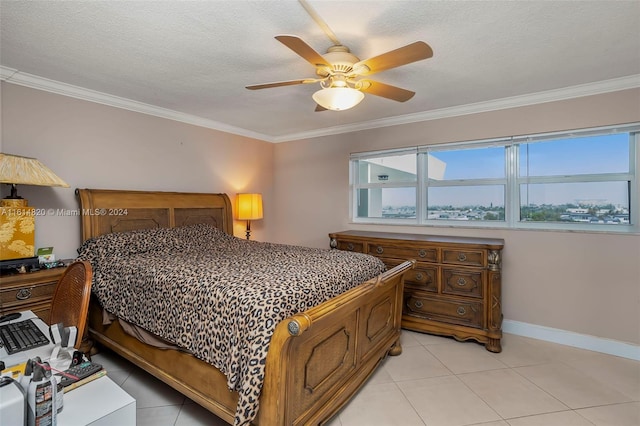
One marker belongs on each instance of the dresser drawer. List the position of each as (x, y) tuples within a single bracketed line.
[(422, 277), (463, 257), (27, 294), (350, 246), (449, 311), (405, 253), (31, 291), (462, 283)]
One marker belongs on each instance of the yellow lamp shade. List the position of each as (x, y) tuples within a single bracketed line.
[(249, 206)]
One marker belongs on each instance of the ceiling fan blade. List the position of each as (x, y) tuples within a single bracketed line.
[(404, 55), (281, 83), (303, 49), (320, 108), (384, 90)]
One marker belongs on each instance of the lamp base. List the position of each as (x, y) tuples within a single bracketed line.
[(14, 202), (248, 233), (18, 225)]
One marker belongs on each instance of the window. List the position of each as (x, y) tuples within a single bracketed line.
[(387, 185), (579, 180), (467, 184), (576, 179)]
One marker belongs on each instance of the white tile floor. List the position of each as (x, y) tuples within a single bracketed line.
[(438, 381)]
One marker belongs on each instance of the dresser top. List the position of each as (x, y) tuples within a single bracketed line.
[(41, 275), (493, 243)]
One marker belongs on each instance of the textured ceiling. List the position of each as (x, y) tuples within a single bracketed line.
[(195, 58)]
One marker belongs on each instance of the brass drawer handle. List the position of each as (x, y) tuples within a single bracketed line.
[(350, 246), (462, 257), (422, 253), (23, 294), (379, 250), (461, 310), (419, 304), (419, 276), (462, 282)]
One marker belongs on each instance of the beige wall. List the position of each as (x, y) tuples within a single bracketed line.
[(586, 283), (580, 282), (95, 146)]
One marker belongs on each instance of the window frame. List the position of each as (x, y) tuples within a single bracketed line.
[(425, 183), (354, 188), (511, 182)]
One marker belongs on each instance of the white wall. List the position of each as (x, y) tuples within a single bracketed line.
[(95, 146)]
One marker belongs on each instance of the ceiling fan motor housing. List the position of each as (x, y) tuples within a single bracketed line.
[(341, 60)]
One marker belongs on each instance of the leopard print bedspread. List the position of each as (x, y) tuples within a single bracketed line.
[(216, 295)]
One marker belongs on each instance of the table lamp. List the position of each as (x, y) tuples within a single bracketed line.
[(249, 207), (17, 219)]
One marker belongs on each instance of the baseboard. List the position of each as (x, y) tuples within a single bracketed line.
[(569, 338)]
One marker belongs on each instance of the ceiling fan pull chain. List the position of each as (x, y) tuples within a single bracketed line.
[(323, 25)]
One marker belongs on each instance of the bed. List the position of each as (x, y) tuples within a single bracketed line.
[(317, 357)]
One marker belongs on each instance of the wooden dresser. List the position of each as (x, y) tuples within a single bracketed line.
[(31, 291), (455, 287)]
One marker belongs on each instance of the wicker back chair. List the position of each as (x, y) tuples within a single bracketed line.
[(70, 303)]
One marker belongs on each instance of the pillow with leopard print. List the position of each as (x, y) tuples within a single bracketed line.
[(118, 245)]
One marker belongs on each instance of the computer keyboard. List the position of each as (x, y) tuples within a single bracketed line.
[(22, 336)]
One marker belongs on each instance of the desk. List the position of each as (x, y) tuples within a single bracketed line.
[(98, 403), (44, 352)]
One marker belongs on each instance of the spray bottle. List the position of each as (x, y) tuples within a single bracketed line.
[(25, 379), (41, 397)]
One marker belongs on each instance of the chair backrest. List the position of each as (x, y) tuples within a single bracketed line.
[(70, 304)]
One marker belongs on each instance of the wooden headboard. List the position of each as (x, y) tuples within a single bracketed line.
[(104, 211)]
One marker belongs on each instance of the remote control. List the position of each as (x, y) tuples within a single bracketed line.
[(82, 370)]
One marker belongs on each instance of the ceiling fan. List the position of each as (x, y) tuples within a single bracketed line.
[(340, 72)]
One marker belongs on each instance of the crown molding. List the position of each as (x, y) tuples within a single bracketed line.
[(29, 80), (35, 82), (606, 86)]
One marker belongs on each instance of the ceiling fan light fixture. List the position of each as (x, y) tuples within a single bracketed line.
[(338, 98)]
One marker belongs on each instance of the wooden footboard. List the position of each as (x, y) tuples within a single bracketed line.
[(316, 361)]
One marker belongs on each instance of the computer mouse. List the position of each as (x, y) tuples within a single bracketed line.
[(10, 317)]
